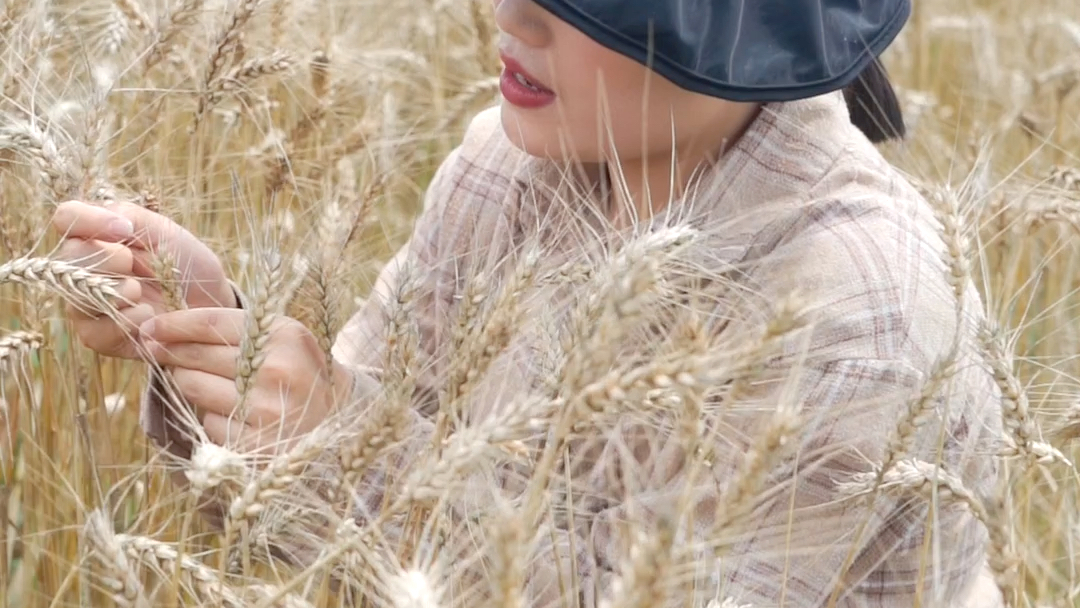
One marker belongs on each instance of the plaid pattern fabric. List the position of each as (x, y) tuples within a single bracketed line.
[(801, 202)]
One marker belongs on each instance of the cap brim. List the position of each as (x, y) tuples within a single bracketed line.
[(743, 50)]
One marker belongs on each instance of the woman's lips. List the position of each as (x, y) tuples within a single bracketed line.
[(522, 89)]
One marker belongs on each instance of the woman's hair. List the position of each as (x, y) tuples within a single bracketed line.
[(873, 105)]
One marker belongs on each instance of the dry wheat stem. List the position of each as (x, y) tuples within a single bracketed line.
[(510, 544)]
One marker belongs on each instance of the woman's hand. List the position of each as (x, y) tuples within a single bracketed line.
[(122, 240), (290, 394)]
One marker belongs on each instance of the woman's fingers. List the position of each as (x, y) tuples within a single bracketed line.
[(79, 220), (245, 437), (208, 393), (224, 431), (223, 326), (100, 256), (216, 359), (119, 222), (104, 334)]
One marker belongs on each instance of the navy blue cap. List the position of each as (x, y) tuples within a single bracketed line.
[(743, 50)]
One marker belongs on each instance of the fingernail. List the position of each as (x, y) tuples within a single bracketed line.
[(122, 228)]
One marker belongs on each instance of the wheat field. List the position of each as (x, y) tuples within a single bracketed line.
[(263, 126)]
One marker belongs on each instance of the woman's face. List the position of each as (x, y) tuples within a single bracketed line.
[(589, 103)]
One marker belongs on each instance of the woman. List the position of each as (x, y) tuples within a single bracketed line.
[(727, 116)]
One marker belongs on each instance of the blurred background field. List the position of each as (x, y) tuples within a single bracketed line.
[(348, 108)]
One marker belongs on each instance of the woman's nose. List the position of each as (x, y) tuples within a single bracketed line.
[(523, 20)]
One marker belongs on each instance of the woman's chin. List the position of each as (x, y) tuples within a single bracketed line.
[(530, 133)]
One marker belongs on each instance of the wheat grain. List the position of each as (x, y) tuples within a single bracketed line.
[(169, 279)]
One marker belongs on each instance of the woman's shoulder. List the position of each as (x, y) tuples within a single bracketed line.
[(868, 252)]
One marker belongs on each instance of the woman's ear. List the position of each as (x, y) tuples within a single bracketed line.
[(874, 106)]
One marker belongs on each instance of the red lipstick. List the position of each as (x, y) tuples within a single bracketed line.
[(520, 88)]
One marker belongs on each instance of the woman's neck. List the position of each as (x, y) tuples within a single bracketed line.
[(648, 185)]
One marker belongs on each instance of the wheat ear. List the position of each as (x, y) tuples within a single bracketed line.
[(266, 307), (16, 346), (119, 576), (226, 44), (202, 580), (628, 285), (245, 74), (76, 284), (483, 343), (922, 478), (386, 423), (180, 18), (39, 148), (644, 576)]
